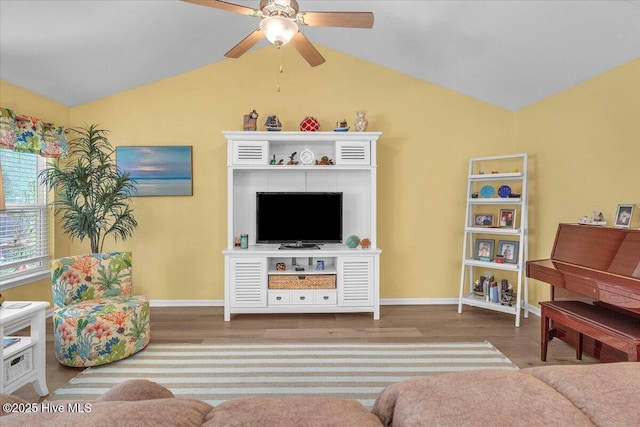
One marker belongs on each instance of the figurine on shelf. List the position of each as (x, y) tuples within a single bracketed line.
[(506, 293), (273, 124), (292, 160), (478, 287), (324, 161), (341, 126), (597, 218), (250, 121)]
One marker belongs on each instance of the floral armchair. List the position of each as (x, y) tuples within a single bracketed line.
[(96, 320)]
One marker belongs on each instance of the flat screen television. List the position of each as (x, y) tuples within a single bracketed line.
[(299, 220)]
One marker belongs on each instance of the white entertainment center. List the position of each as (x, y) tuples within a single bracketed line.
[(263, 278)]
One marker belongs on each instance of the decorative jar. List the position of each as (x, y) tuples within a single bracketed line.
[(309, 124), (361, 121)]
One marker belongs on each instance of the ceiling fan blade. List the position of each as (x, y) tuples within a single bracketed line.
[(307, 50), (230, 7), (246, 44), (336, 19)]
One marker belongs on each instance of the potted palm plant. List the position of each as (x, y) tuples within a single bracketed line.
[(92, 193)]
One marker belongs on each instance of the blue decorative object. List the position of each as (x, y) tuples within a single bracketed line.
[(504, 191), (352, 241), (487, 191)]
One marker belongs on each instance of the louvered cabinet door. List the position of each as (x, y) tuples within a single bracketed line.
[(355, 281), (250, 153), (357, 153), (248, 282)]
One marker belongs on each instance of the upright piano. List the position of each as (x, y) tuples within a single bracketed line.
[(597, 265)]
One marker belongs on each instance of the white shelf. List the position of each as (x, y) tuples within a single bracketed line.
[(491, 264), (494, 201), (507, 176), (289, 168), (13, 349), (309, 270), (494, 230), (471, 267), (475, 301)]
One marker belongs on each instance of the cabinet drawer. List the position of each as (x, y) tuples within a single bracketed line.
[(301, 298), (326, 298), (279, 298)]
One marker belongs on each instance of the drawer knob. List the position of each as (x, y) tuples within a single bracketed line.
[(278, 298), (302, 298), (326, 298)]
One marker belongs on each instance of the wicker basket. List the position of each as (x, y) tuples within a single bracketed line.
[(18, 366), (312, 281)]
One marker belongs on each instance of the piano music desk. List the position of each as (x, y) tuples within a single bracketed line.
[(601, 324)]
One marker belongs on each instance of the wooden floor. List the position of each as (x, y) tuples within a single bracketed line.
[(397, 324)]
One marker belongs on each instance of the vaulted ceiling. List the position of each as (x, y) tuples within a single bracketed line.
[(509, 53)]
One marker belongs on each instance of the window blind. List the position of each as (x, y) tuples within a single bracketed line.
[(23, 225)]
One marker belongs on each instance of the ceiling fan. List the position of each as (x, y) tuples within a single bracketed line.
[(279, 20)]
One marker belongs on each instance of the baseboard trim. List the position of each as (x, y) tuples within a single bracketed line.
[(186, 303), (418, 301), (385, 301), (439, 301)]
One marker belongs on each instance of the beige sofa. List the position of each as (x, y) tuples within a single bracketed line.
[(579, 395)]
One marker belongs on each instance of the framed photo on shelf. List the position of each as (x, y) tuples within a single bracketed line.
[(509, 250), (482, 220), (507, 218), (484, 249), (623, 216)]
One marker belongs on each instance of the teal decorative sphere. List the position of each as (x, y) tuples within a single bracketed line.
[(352, 241)]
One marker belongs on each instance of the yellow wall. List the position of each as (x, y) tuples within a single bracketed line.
[(585, 153), (428, 135), (582, 143), (22, 101)]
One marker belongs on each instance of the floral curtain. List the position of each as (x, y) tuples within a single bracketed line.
[(31, 135)]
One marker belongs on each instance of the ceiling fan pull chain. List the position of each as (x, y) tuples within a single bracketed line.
[(280, 69)]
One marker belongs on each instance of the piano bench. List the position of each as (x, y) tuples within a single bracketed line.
[(606, 326)]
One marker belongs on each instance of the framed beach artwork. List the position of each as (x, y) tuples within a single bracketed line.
[(158, 170)]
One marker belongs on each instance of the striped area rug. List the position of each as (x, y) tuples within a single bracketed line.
[(215, 373)]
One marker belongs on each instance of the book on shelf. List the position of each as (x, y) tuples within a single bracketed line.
[(6, 342)]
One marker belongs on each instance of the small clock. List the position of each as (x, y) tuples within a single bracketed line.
[(306, 156)]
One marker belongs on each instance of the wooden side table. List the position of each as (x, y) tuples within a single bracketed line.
[(24, 361)]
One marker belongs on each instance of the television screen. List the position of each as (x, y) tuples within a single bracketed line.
[(299, 217)]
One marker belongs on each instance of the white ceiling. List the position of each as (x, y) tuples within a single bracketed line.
[(509, 53)]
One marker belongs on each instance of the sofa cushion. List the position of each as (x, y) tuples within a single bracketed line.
[(485, 397), (307, 411), (152, 413), (136, 390), (608, 393)]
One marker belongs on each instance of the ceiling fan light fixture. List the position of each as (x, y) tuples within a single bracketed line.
[(278, 29)]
